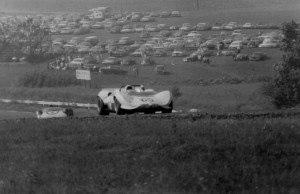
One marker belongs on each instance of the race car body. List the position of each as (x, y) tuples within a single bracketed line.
[(54, 112), (133, 98)]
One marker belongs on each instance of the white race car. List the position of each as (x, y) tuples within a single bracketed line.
[(54, 112), (133, 98)]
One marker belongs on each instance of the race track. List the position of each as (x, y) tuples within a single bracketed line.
[(11, 114), (91, 114)]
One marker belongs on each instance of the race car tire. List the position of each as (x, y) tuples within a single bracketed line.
[(169, 110), (100, 107), (117, 106), (69, 112)]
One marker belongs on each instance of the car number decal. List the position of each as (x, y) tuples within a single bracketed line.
[(147, 100), (52, 112)]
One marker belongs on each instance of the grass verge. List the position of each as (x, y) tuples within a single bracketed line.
[(150, 156)]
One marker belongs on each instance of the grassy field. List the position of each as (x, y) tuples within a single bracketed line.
[(186, 76), (150, 156)]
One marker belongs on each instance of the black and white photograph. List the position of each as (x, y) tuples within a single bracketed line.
[(149, 96)]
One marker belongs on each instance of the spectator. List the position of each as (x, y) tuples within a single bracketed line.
[(234, 56), (135, 71)]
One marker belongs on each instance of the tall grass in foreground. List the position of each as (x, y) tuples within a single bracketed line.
[(149, 156)]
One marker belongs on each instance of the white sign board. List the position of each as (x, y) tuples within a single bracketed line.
[(83, 74)]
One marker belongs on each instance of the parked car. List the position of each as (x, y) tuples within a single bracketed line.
[(160, 53), (118, 53), (236, 44), (128, 61), (112, 70), (98, 25), (111, 61), (191, 58), (115, 29), (268, 43), (230, 52), (66, 31), (125, 41), (257, 56), (241, 57), (148, 61), (147, 19), (160, 70), (127, 30), (164, 14), (176, 14), (91, 67), (261, 26), (248, 25), (82, 30), (77, 63), (203, 27), (137, 53), (54, 112), (178, 53), (144, 34)]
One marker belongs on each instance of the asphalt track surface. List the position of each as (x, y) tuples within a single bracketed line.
[(80, 114), (11, 114)]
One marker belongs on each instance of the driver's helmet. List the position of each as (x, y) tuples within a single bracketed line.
[(128, 88)]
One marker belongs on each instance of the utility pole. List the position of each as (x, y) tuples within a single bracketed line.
[(197, 4)]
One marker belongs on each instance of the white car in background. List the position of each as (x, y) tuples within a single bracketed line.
[(176, 14), (248, 25), (67, 30), (178, 53), (98, 25), (269, 43), (77, 63), (236, 44)]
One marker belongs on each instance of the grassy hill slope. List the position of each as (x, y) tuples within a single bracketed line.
[(150, 156)]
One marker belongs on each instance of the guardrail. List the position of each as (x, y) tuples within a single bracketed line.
[(49, 103)]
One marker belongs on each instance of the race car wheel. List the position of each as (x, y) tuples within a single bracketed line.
[(168, 110), (100, 107), (117, 106), (69, 112)]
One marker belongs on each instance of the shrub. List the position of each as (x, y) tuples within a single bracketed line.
[(285, 88), (176, 92)]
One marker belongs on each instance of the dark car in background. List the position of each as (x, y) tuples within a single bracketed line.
[(112, 70), (128, 61), (257, 56)]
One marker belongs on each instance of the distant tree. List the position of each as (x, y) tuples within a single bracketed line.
[(285, 88), (33, 39)]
